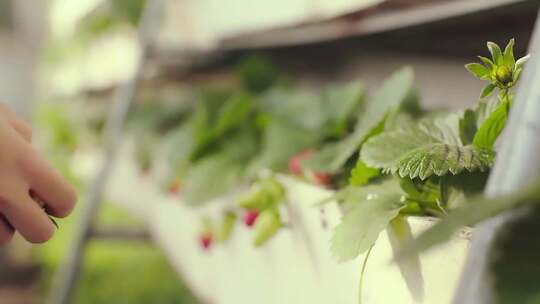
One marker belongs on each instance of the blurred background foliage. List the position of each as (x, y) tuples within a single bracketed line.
[(83, 37)]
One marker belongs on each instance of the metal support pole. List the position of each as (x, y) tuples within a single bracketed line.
[(69, 271), (517, 165)]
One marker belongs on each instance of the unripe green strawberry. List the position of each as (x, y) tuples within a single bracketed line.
[(227, 227), (273, 189), (267, 225), (255, 199), (504, 74)]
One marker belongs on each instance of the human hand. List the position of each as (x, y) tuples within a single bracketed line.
[(26, 182)]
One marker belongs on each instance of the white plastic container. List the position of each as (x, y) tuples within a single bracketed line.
[(296, 266)]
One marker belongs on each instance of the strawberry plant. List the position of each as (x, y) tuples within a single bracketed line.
[(426, 165), (385, 155)]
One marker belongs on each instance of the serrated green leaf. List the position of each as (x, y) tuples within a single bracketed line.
[(478, 70), (425, 150), (496, 53), (373, 208), (391, 94), (487, 90), (473, 212), (362, 174), (508, 54), (491, 128)]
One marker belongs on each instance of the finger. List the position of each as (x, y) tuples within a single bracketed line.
[(6, 231), (22, 128), (28, 219), (18, 124), (49, 186)]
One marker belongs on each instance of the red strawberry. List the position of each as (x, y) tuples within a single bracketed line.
[(174, 187), (321, 178), (205, 241), (295, 162), (250, 217)]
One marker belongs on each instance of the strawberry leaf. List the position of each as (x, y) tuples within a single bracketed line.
[(372, 208), (211, 177), (389, 97), (491, 128), (431, 147), (362, 174), (469, 214)]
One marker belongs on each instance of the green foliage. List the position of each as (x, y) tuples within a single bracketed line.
[(130, 10), (257, 73), (431, 147), (362, 174), (265, 193), (490, 129), (226, 227), (116, 272), (387, 99), (267, 225), (215, 117), (468, 126), (281, 141), (472, 212), (502, 70), (59, 125), (210, 178), (124, 273), (369, 210), (341, 104)]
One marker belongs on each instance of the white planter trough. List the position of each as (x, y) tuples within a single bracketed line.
[(295, 266)]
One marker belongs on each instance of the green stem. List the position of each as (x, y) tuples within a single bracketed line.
[(362, 274)]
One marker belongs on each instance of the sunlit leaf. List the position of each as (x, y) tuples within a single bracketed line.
[(372, 208), (490, 129), (362, 174), (425, 150)]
